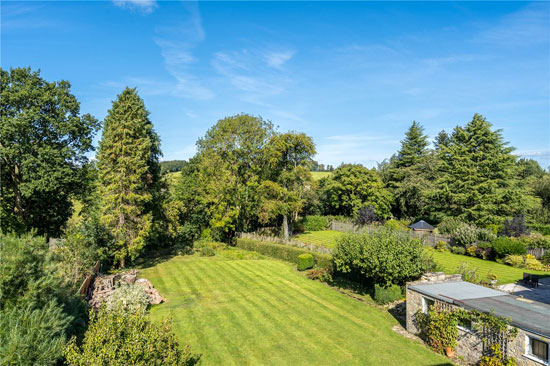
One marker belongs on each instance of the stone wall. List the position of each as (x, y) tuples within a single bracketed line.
[(516, 349)]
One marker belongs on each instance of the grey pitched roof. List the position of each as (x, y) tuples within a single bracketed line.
[(421, 225)]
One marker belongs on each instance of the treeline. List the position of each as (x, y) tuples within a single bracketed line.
[(171, 166)]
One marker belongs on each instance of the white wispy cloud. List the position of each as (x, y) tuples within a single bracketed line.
[(278, 59), (142, 6), (545, 154), (177, 42), (530, 25)]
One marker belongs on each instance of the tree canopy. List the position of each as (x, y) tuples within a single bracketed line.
[(44, 140)]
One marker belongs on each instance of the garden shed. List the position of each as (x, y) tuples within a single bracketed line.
[(422, 226)]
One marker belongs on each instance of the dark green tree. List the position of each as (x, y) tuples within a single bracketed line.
[(129, 174), (289, 157), (351, 187), (478, 179), (413, 147), (43, 142), (233, 164)]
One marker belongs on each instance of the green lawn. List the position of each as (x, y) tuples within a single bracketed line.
[(449, 263), (319, 175), (325, 238), (263, 312)]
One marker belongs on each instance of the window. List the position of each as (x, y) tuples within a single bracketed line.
[(537, 349), (465, 324), (426, 303)]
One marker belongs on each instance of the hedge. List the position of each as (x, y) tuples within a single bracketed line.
[(543, 229), (305, 261), (315, 223), (284, 252)]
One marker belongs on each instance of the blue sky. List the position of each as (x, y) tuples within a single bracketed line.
[(351, 75)]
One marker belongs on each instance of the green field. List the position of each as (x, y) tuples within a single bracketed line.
[(449, 263), (263, 312), (325, 238), (319, 175)]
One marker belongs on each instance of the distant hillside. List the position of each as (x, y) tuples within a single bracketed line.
[(171, 165), (319, 175)]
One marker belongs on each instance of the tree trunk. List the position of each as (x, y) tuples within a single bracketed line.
[(285, 228), (123, 262)]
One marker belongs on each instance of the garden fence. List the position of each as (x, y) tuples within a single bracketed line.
[(537, 252)]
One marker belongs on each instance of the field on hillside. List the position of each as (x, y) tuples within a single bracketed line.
[(325, 238), (449, 263), (263, 312), (319, 175)]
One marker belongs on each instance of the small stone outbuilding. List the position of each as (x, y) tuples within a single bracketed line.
[(530, 347)]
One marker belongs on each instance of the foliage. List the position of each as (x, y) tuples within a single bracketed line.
[(503, 247), (384, 295), (289, 158), (543, 229), (131, 297), (37, 311), (207, 251), (469, 274), (464, 235), (439, 328), (171, 166), (305, 261), (351, 187), (441, 246), (121, 337), (458, 250), (515, 227), (478, 179), (315, 223), (32, 335), (449, 224), (486, 235), (130, 178), (471, 250), (44, 142), (321, 274), (532, 263), (230, 165), (366, 216), (283, 252), (515, 260), (496, 358), (546, 258), (383, 257)]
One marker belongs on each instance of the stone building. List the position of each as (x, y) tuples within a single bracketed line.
[(530, 347)]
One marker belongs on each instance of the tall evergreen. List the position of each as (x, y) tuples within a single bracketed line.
[(413, 147), (129, 173), (478, 180)]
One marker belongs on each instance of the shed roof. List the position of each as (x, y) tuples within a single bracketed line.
[(526, 314), (421, 225)]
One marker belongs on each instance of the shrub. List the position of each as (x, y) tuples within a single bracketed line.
[(472, 250), (494, 228), (503, 247), (485, 235), (514, 260), (484, 250), (305, 261), (382, 257), (546, 258), (284, 252), (31, 335), (543, 229), (321, 274), (315, 223), (207, 251), (537, 241), (514, 227), (458, 250), (449, 225), (130, 297), (439, 328), (384, 295), (118, 337), (464, 235), (366, 215), (468, 274), (532, 263), (396, 225), (441, 246)]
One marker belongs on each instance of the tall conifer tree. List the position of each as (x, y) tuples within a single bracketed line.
[(129, 173)]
